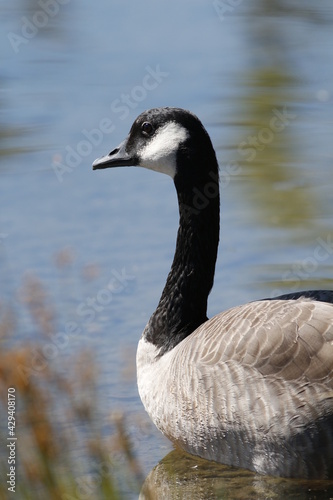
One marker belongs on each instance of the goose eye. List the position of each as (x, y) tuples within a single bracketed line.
[(147, 128)]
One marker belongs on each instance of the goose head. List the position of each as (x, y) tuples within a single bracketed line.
[(168, 140)]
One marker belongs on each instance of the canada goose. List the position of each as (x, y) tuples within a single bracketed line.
[(253, 386)]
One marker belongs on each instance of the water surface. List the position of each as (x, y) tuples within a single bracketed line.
[(258, 76)]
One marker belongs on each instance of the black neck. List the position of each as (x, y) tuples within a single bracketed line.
[(183, 304)]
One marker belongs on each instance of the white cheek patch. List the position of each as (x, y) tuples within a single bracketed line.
[(160, 152)]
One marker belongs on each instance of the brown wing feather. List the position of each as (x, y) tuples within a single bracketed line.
[(291, 340)]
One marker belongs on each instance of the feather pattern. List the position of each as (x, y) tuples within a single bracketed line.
[(251, 387)]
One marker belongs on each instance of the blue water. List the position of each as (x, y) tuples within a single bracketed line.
[(72, 82)]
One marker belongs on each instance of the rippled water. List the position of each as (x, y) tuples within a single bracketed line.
[(73, 79)]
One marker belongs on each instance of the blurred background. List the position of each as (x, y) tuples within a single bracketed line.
[(84, 255)]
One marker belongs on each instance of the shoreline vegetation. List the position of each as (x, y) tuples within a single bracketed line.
[(52, 445)]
